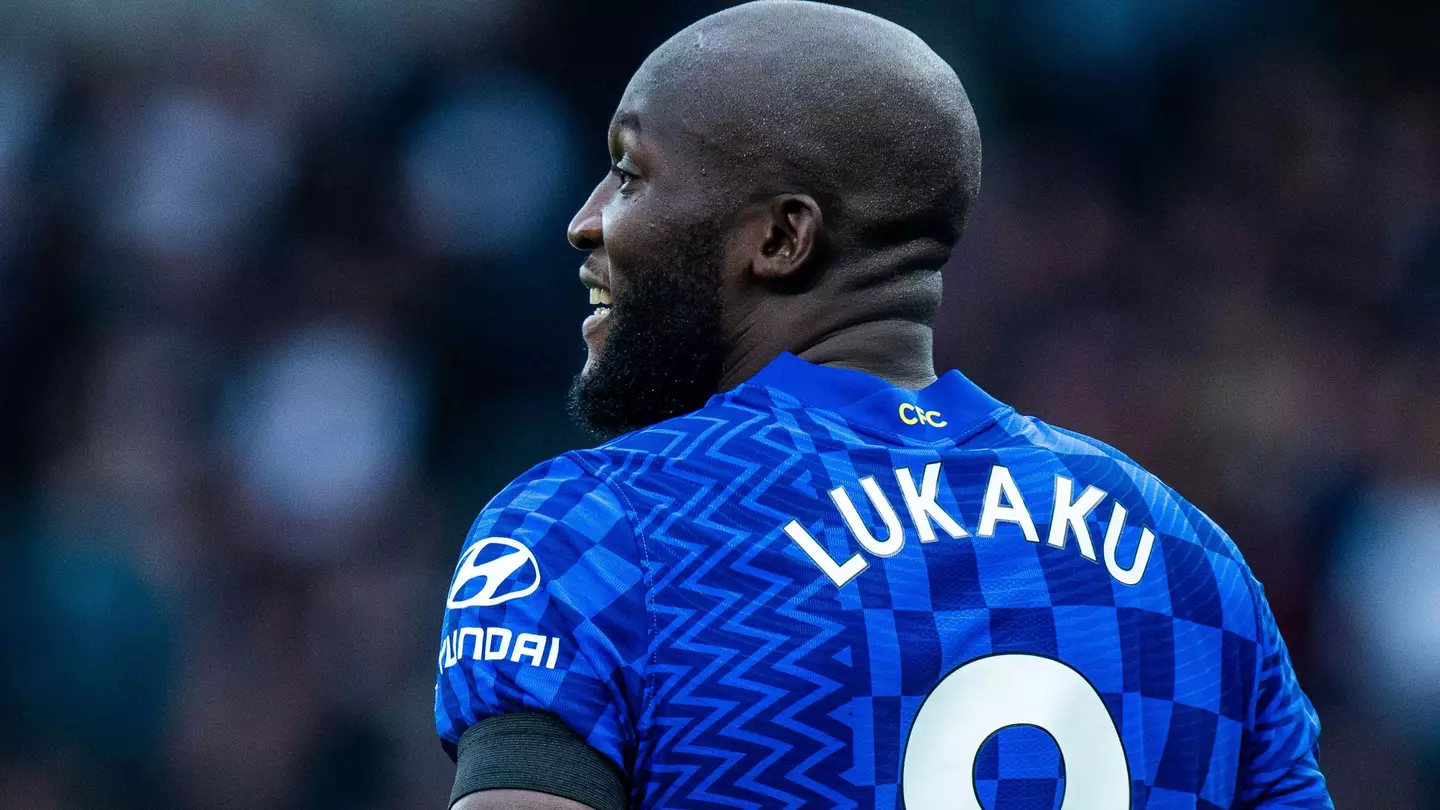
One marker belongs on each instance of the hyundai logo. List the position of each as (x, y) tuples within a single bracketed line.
[(511, 575)]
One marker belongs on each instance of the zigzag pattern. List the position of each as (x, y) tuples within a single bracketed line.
[(745, 718), (768, 687)]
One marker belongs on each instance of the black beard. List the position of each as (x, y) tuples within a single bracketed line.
[(665, 351)]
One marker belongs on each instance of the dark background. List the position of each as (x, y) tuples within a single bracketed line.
[(285, 297)]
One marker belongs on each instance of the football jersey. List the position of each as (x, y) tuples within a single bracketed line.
[(820, 590)]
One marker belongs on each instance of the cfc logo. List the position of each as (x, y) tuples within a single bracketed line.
[(508, 571), (911, 415)]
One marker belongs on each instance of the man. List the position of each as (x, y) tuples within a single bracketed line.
[(811, 574)]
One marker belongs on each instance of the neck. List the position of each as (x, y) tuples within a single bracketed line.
[(862, 315), (895, 350), (898, 352)]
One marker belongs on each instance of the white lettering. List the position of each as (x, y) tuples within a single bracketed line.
[(1014, 511), (478, 633), (1002, 502), (1068, 516), (922, 504), (1133, 574), (528, 645), (494, 644), (838, 573), (492, 653), (894, 541)]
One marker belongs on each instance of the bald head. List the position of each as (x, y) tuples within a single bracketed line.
[(785, 177), (842, 105)]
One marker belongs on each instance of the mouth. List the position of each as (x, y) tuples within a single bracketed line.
[(599, 298), (595, 284), (599, 293)]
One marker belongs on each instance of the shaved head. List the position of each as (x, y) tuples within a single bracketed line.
[(786, 176), (844, 105)]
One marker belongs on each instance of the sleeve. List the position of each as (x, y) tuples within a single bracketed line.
[(546, 613), (1280, 765)]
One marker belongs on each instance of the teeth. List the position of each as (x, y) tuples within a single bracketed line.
[(594, 296), (599, 297)]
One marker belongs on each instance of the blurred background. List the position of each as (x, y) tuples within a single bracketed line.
[(285, 297)]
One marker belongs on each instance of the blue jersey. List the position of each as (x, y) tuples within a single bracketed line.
[(820, 590)]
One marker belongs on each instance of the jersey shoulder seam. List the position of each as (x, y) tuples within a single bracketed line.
[(652, 629), (1253, 587)]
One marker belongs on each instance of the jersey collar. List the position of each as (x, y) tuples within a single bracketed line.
[(950, 406)]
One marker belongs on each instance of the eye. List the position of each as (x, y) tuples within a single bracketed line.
[(625, 177)]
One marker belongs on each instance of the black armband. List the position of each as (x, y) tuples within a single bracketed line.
[(535, 751)]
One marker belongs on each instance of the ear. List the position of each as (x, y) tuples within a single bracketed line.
[(792, 224)]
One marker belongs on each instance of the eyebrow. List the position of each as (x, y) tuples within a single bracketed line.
[(628, 120), (624, 122)]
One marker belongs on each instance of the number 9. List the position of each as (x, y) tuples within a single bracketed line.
[(1013, 689)]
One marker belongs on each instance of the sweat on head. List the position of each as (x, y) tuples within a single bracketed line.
[(790, 177), (782, 96)]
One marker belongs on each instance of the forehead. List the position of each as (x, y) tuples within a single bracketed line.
[(684, 116), (669, 100), (642, 108), (649, 124)]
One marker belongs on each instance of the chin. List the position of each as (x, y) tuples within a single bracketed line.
[(592, 359)]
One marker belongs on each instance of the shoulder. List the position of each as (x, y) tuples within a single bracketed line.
[(566, 487), (1034, 432), (604, 491), (563, 511), (546, 610), (1135, 486), (557, 537), (1190, 534), (705, 437), (724, 416)]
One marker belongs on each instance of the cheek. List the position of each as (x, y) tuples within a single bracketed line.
[(630, 222), (660, 228), (634, 237)]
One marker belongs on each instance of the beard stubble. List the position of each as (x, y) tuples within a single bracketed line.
[(665, 350)]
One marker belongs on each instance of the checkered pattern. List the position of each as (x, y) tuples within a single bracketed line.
[(592, 590), (1020, 767), (710, 658)]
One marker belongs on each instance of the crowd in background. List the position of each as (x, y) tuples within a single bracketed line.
[(285, 297)]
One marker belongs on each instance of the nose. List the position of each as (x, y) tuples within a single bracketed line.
[(586, 231)]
